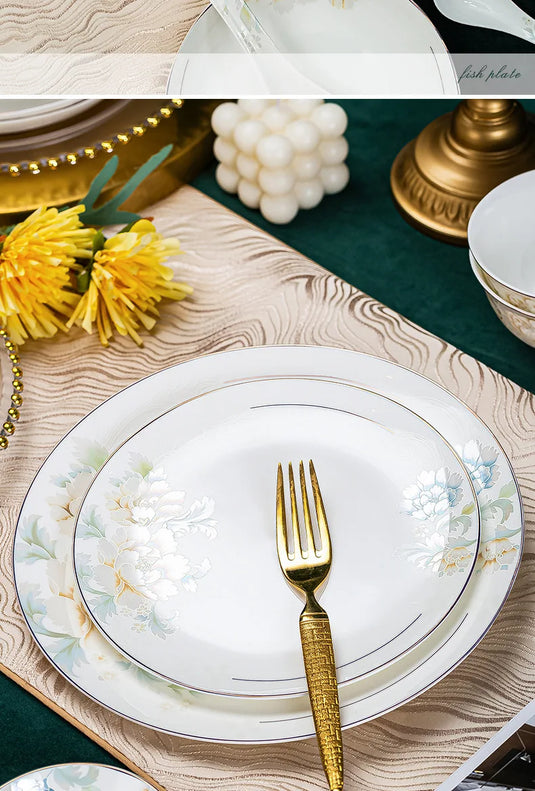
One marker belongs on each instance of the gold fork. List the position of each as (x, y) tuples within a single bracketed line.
[(306, 567)]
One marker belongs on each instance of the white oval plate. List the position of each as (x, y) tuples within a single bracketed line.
[(178, 529), (362, 48), (44, 573), (77, 777)]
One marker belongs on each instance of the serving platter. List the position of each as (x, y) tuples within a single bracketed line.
[(55, 615), (178, 528), (337, 48)]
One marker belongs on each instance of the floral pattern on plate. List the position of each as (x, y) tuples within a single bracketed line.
[(77, 777), (57, 614), (60, 778), (440, 524), (137, 567), (439, 530)]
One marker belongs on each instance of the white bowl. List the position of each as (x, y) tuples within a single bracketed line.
[(518, 321), (501, 238)]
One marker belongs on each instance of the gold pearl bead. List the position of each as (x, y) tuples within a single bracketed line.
[(14, 170), (52, 163), (18, 387), (8, 427), (34, 168), (3, 333), (14, 357), (10, 346), (16, 371), (166, 112), (139, 131), (17, 399), (108, 146), (13, 413), (153, 121), (124, 138), (177, 102), (90, 152), (72, 159), (4, 442)]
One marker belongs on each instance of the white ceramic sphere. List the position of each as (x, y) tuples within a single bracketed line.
[(225, 117), (303, 107), (334, 151), (276, 182), (254, 107), (247, 167), (279, 209), (274, 151), (309, 193), (249, 193), (304, 135), (277, 117), (334, 178), (306, 166), (225, 151), (247, 134), (331, 119), (227, 178)]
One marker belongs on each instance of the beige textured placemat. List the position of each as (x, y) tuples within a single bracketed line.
[(72, 47), (251, 289)]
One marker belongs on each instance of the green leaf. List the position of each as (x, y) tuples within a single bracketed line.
[(83, 280), (469, 509), (92, 454), (98, 184), (143, 466), (109, 213), (35, 543), (508, 490), (501, 505), (99, 240), (91, 527)]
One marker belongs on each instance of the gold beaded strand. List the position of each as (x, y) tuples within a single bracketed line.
[(15, 169), (13, 413)]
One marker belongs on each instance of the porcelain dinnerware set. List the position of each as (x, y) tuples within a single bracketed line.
[(501, 238), (146, 557)]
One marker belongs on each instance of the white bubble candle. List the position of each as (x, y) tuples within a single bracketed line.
[(280, 156)]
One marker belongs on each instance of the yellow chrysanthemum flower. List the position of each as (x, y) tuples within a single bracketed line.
[(128, 279), (35, 261)]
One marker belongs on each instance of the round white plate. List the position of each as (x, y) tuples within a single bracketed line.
[(20, 115), (77, 777), (361, 48), (44, 573), (178, 528)]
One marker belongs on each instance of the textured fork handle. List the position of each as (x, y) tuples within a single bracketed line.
[(323, 691)]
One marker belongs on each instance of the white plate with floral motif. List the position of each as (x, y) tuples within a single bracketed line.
[(343, 49), (178, 529), (77, 777), (46, 587)]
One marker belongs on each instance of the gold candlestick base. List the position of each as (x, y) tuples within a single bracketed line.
[(438, 178)]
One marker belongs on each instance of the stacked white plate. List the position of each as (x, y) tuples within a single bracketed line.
[(28, 125), (145, 556), (21, 115)]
